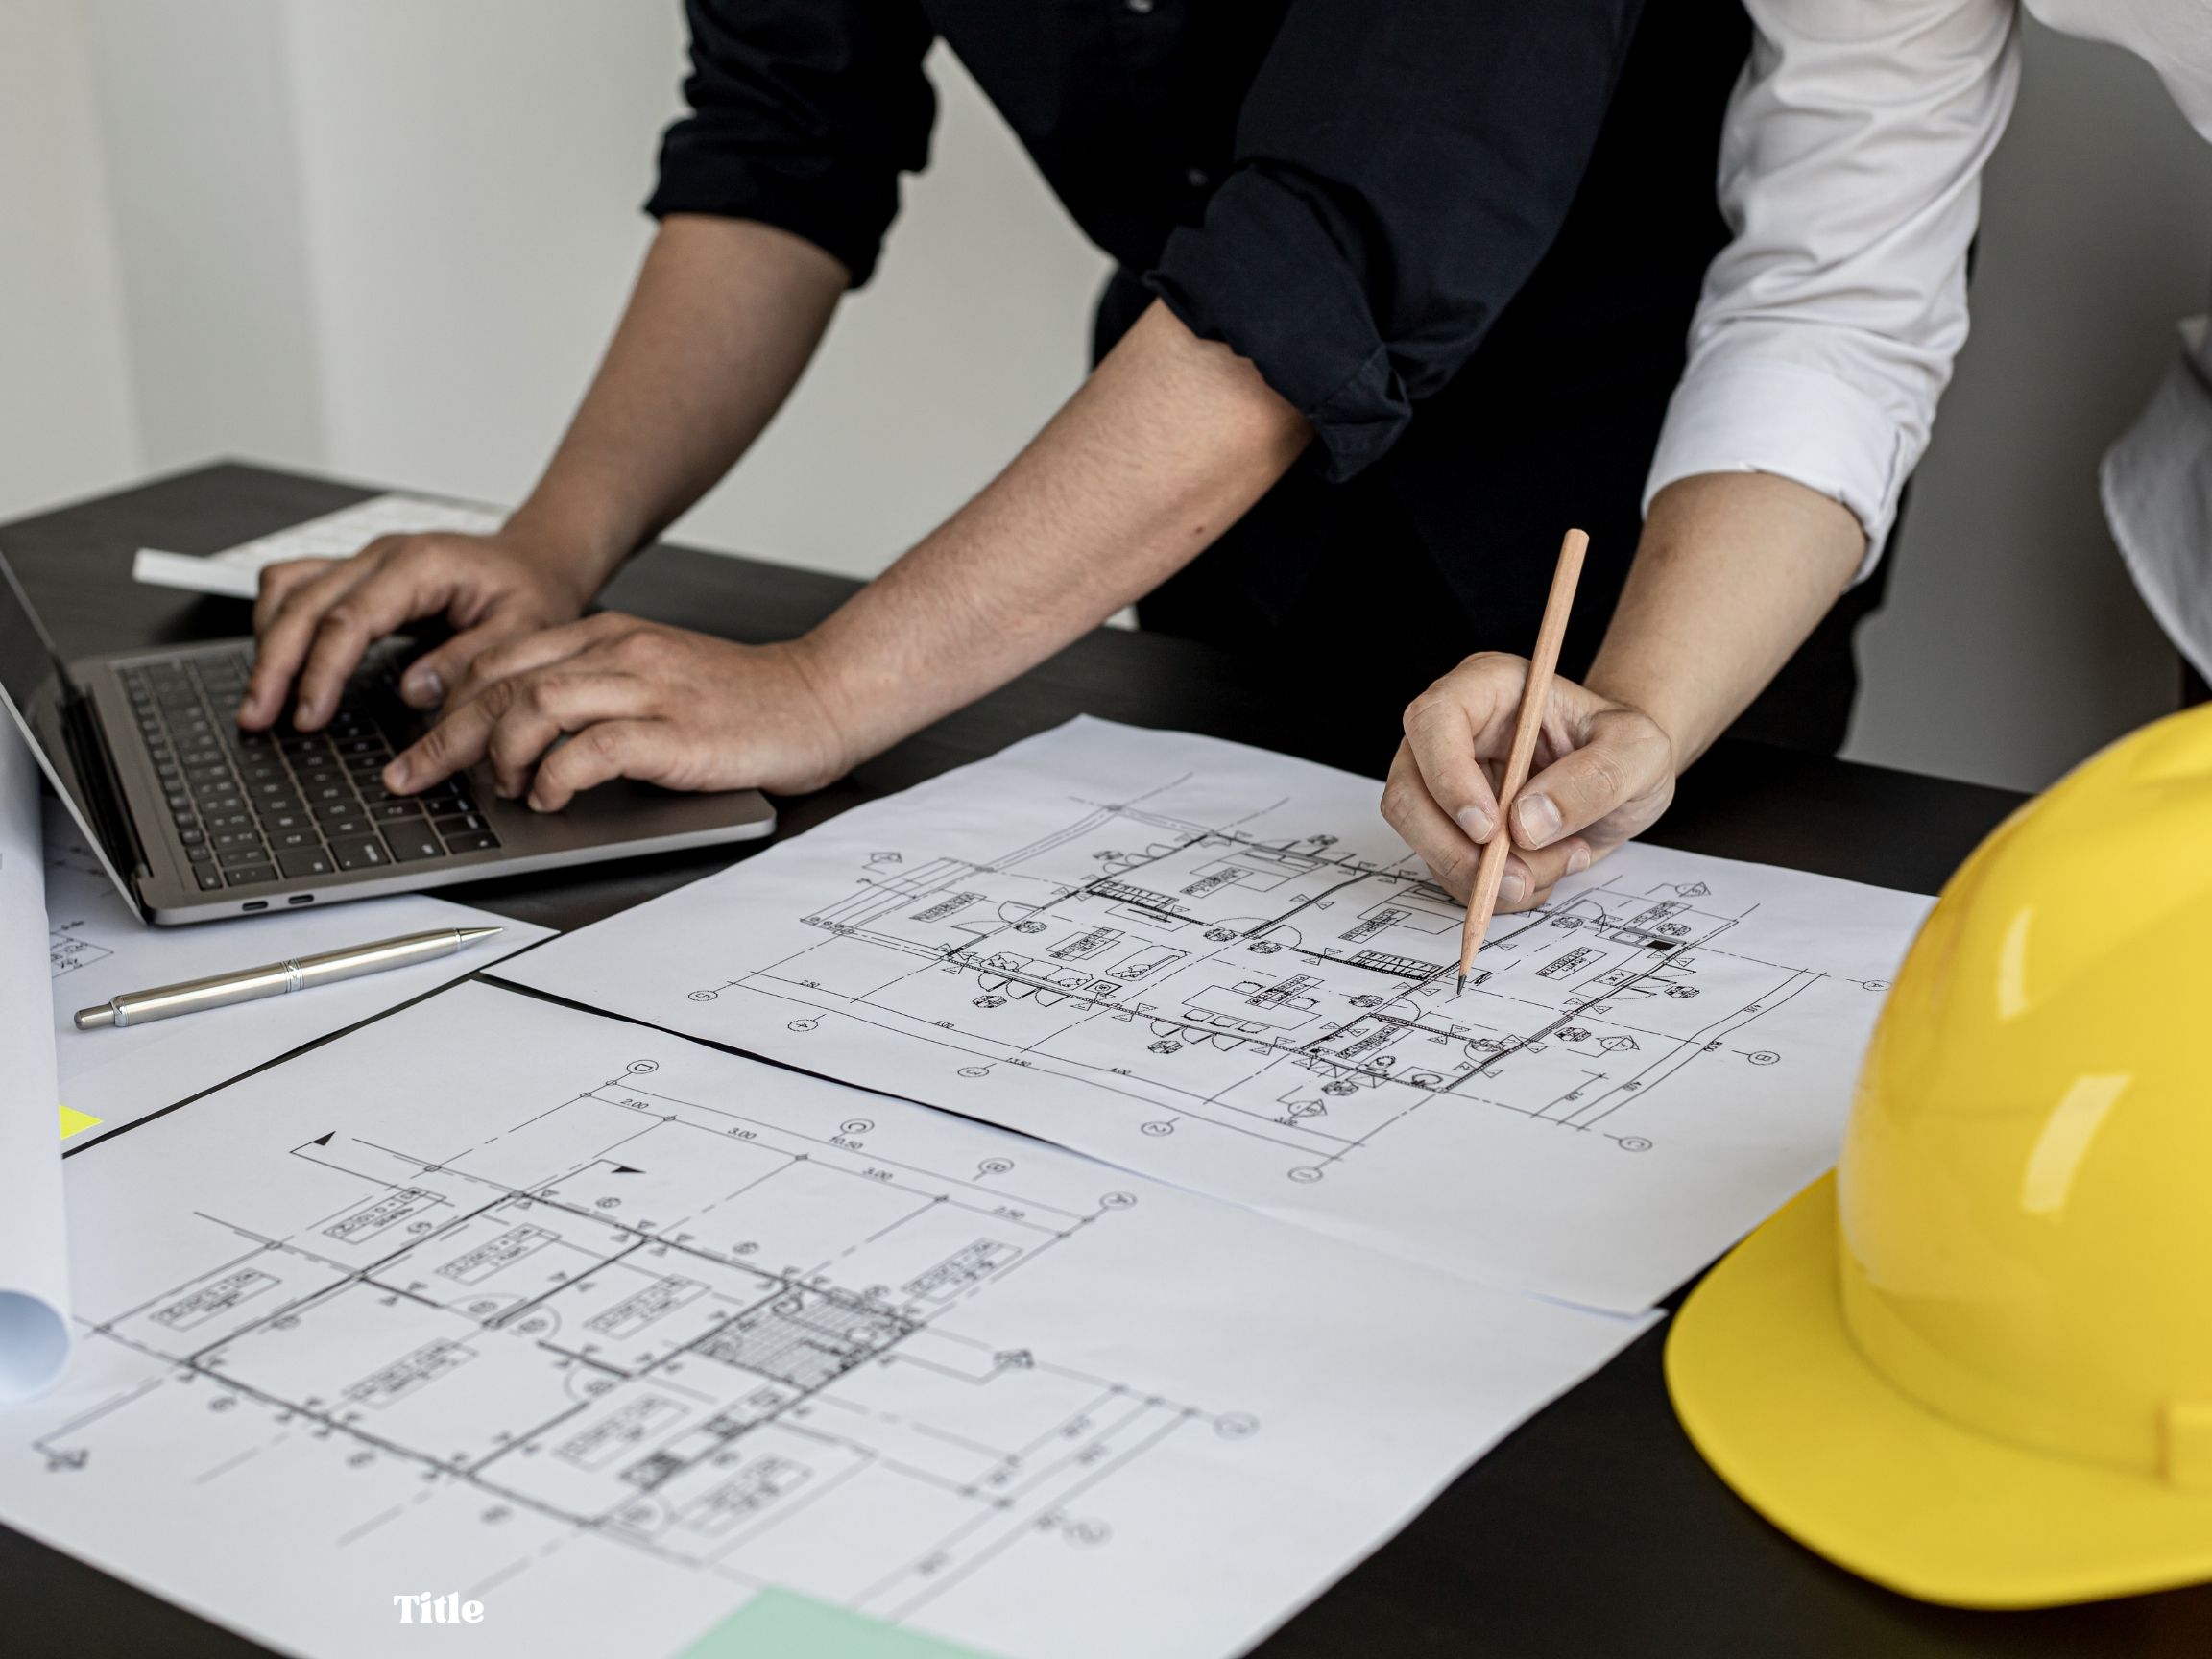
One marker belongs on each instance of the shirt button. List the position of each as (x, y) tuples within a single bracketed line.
[(1143, 8), (1199, 179)]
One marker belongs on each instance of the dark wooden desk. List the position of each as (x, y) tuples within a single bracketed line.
[(1595, 1529)]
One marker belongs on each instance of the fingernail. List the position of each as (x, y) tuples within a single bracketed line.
[(535, 804), (1539, 820), (1512, 887), (422, 688), (1478, 823), (1579, 860), (397, 774)]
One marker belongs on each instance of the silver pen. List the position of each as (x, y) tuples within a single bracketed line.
[(277, 978)]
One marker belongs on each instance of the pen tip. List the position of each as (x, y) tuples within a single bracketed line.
[(470, 935)]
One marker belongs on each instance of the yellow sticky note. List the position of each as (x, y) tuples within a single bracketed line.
[(77, 1123)]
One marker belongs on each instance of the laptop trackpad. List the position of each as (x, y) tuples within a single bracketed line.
[(617, 811)]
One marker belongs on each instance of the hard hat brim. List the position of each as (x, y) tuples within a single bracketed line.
[(1773, 1391)]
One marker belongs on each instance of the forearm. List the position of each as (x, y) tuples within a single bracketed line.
[(1164, 448), (1733, 572), (725, 315)]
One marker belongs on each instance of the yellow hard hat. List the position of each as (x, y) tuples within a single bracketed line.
[(1975, 1364)]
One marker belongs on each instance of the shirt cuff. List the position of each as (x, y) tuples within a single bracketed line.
[(1794, 421), (1264, 276), (844, 217)]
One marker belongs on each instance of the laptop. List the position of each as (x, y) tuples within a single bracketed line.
[(198, 821)]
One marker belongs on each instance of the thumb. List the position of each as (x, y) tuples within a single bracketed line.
[(436, 672), (1623, 758)]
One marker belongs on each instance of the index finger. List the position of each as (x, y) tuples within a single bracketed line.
[(279, 580), (456, 742), (284, 641), (1444, 728), (414, 583)]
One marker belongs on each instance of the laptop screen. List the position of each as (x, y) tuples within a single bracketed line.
[(35, 689)]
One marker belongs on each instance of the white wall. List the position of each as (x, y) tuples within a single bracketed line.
[(474, 224), (471, 177), (197, 128), (66, 422), (389, 240)]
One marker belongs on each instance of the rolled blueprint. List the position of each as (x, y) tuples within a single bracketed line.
[(33, 1263)]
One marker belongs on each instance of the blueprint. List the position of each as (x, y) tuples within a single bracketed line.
[(606, 1331), (1219, 966), (97, 948)]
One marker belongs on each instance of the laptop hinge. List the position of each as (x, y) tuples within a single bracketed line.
[(96, 773)]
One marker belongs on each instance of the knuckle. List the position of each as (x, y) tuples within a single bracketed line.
[(1607, 778), (288, 606), (1424, 708), (417, 553)]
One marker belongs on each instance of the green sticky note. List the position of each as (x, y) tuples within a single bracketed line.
[(776, 1624)]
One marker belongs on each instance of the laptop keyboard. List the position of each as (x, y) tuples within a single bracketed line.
[(252, 807)]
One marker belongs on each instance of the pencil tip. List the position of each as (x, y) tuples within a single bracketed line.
[(1461, 991)]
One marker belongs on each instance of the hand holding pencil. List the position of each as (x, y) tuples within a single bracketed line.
[(1593, 773), (1528, 723)]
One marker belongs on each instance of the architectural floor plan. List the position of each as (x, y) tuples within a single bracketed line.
[(1219, 966), (606, 1331)]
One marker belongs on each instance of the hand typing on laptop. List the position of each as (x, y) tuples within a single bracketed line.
[(659, 705), (316, 616)]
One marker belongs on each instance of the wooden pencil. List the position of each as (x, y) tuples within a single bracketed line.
[(1482, 899)]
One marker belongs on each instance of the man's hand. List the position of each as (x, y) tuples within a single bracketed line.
[(316, 616), (636, 700), (1603, 773)]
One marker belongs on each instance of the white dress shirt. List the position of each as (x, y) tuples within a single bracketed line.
[(1850, 170)]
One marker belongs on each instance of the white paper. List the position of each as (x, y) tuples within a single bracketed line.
[(235, 572), (97, 948), (1220, 966), (605, 1330), (33, 1269)]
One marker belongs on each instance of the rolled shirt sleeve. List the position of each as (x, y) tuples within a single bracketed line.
[(803, 115), (1399, 170), (1850, 177)]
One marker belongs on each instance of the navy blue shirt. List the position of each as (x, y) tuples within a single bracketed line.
[(1349, 193)]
